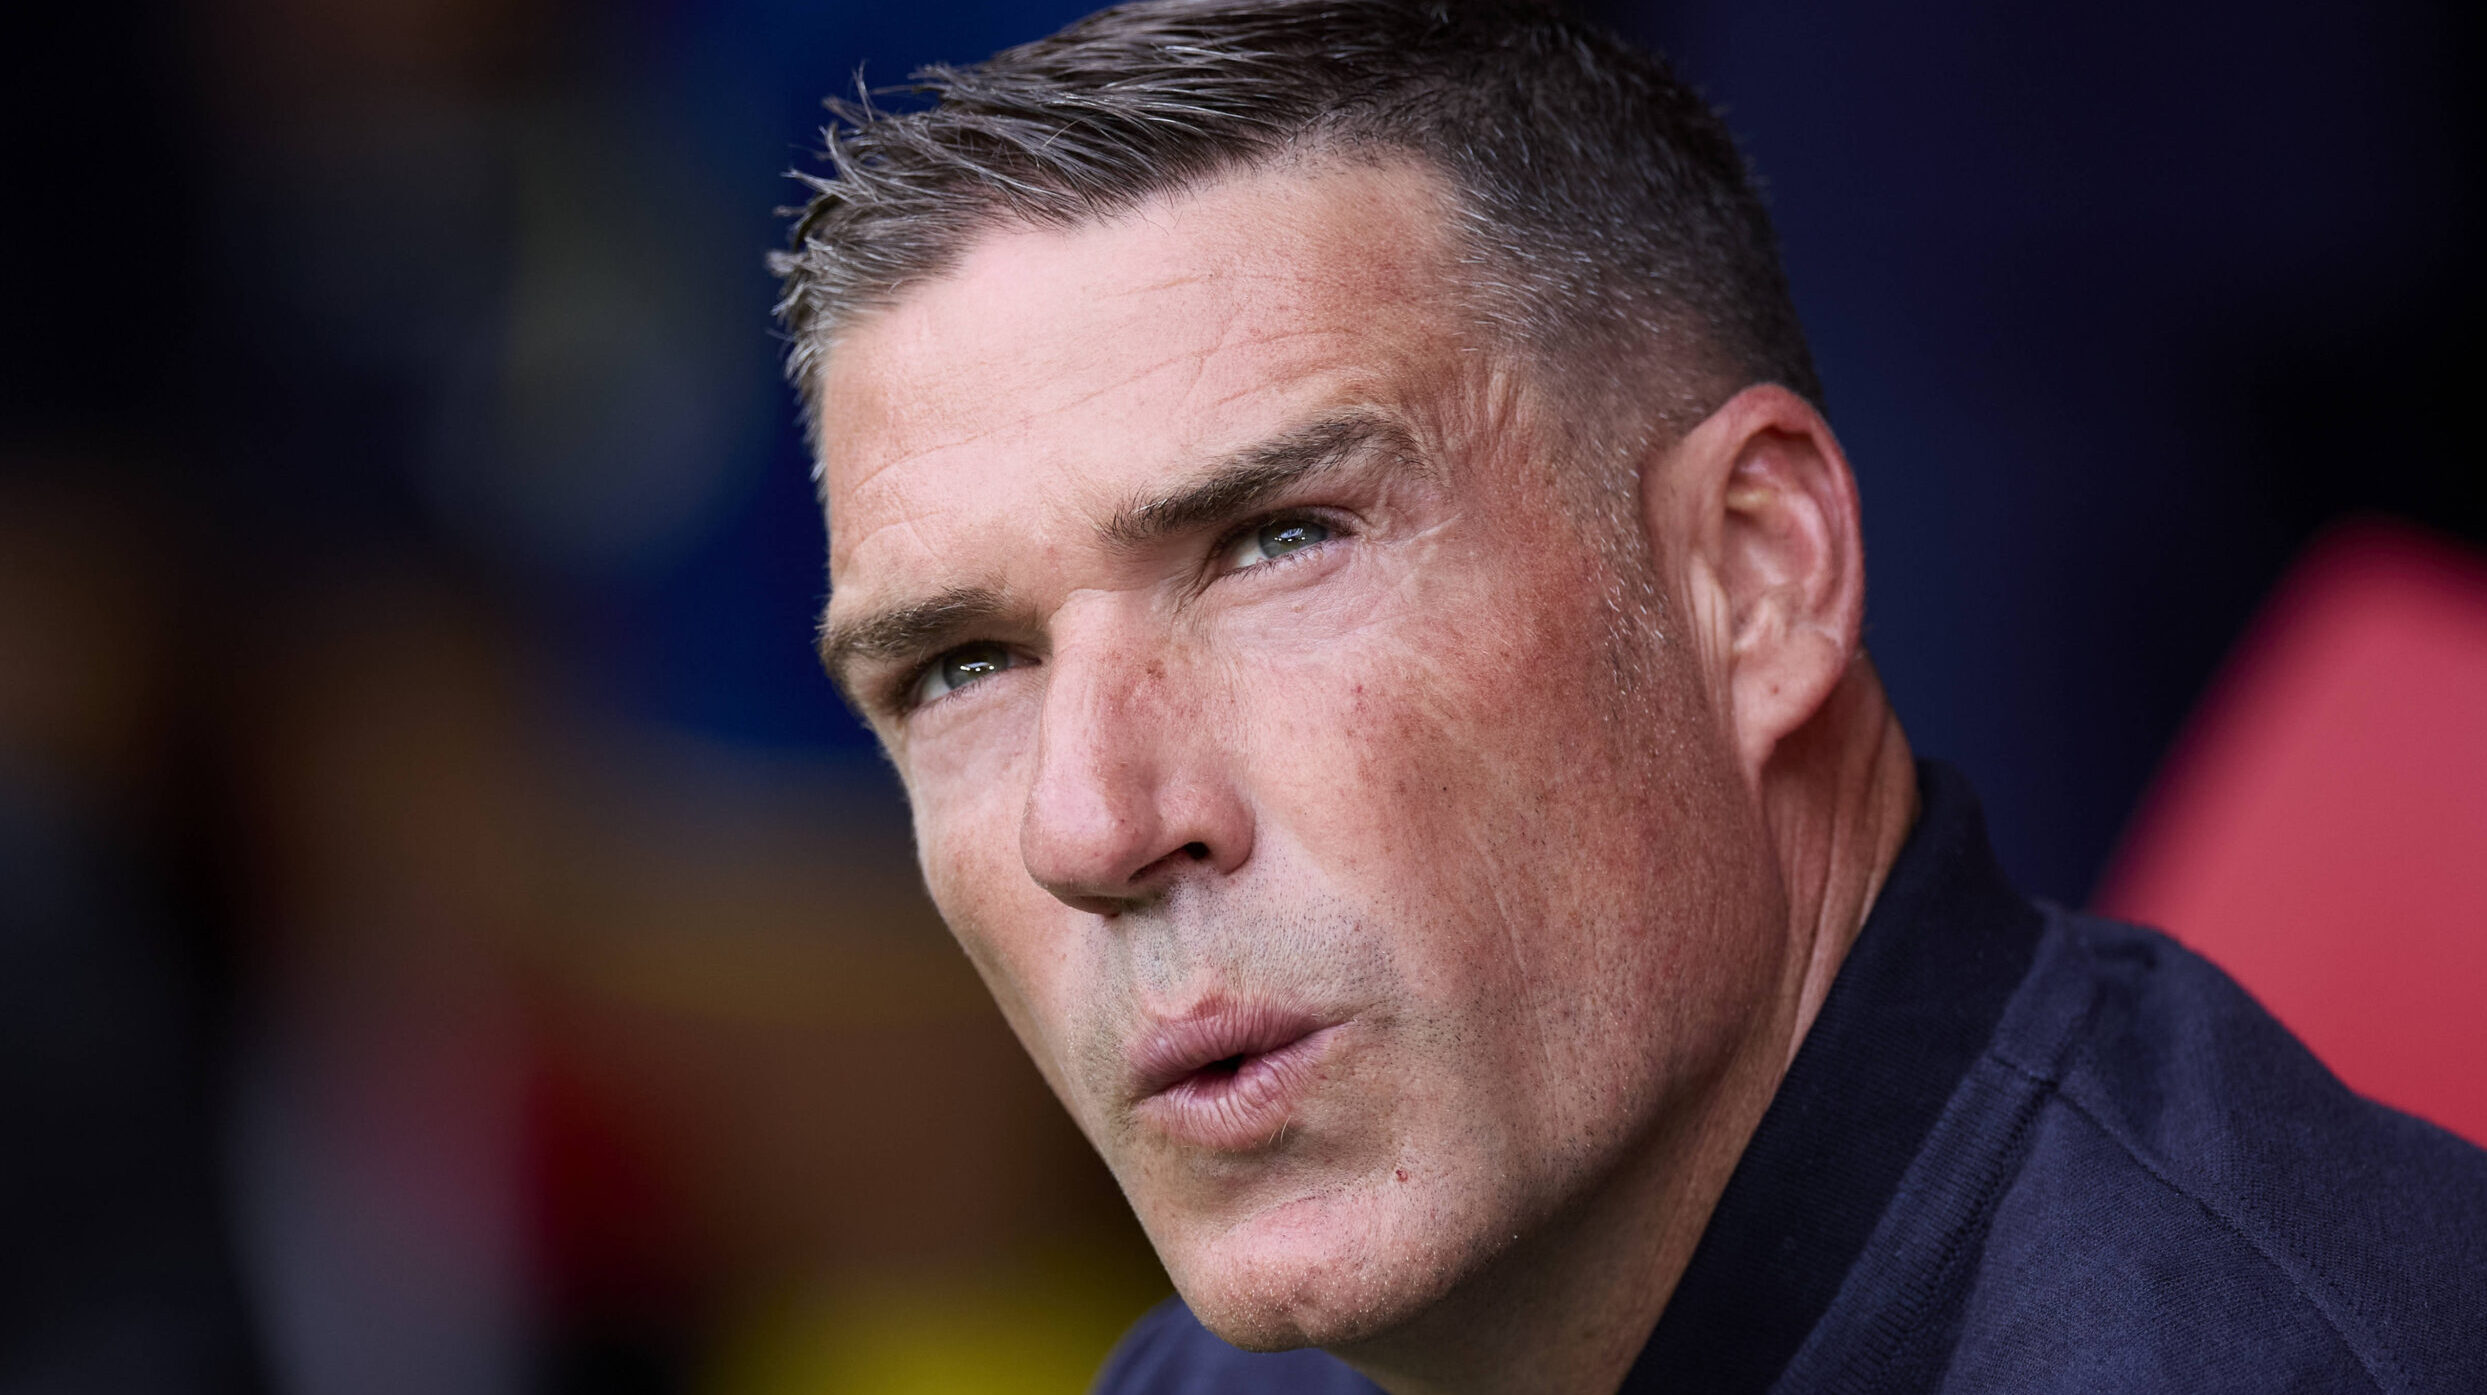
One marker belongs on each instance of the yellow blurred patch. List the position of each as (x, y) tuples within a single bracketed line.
[(1042, 1328)]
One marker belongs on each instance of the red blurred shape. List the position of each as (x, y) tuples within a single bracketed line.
[(2321, 829), (610, 1234)]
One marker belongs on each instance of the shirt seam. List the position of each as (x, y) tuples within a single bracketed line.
[(2302, 1287), (1889, 1334)]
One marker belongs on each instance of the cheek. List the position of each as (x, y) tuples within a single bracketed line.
[(1538, 842), (1442, 722), (964, 836), (967, 785), (966, 800)]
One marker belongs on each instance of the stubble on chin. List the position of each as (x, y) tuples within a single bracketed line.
[(1334, 1270)]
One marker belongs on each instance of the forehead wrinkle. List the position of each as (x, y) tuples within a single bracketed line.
[(1172, 282), (1288, 276), (845, 543), (1171, 361), (1229, 397)]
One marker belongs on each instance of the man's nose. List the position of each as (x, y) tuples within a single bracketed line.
[(1133, 787)]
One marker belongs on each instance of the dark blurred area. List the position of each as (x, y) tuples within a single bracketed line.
[(451, 937)]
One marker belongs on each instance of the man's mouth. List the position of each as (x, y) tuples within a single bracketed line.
[(1227, 1076)]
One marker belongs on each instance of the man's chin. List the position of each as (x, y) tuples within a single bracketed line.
[(1329, 1270)]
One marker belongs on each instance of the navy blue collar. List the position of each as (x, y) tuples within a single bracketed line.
[(1912, 1009)]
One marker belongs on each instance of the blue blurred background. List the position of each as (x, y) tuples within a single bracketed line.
[(452, 937)]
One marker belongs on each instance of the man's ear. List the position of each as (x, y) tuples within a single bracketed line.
[(1755, 513)]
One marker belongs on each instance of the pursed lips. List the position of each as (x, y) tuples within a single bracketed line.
[(1226, 1076)]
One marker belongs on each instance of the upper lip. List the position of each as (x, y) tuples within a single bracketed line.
[(1174, 1049)]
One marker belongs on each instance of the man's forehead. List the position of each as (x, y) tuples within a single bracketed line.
[(1084, 358)]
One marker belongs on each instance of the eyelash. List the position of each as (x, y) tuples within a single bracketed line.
[(1328, 523), (912, 683)]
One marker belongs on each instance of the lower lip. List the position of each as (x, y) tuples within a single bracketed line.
[(1243, 1107)]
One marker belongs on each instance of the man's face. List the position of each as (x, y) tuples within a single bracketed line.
[(1365, 889)]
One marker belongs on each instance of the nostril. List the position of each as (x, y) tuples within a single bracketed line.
[(1197, 852)]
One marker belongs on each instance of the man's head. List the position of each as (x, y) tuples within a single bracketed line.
[(1350, 761)]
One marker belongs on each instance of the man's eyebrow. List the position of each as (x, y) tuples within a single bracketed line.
[(903, 631), (1252, 477)]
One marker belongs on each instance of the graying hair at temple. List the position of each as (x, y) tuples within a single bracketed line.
[(1608, 214)]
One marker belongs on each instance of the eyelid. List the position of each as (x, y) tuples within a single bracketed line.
[(899, 695), (1334, 521)]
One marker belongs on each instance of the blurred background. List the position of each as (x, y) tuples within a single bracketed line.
[(453, 939)]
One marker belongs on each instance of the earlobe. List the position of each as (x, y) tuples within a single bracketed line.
[(1763, 504)]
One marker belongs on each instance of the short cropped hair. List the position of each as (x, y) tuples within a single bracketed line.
[(1607, 214)]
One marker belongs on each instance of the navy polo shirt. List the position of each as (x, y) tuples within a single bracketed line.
[(2025, 1150)]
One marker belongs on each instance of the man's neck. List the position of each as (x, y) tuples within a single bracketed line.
[(1839, 799)]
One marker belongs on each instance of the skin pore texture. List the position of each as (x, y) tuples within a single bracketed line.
[(1418, 944)]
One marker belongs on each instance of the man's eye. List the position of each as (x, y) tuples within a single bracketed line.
[(960, 667), (1274, 540)]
